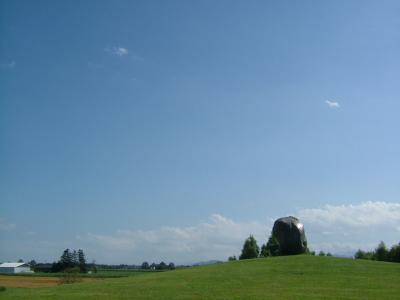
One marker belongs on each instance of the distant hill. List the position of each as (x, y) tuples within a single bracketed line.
[(290, 277), (208, 262)]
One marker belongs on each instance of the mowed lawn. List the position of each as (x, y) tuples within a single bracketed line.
[(294, 277)]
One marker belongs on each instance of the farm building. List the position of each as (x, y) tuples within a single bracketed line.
[(15, 268)]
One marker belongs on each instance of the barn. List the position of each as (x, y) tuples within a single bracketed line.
[(15, 268)]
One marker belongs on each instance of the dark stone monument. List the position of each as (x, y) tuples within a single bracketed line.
[(289, 233)]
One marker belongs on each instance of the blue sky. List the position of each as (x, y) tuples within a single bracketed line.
[(127, 118)]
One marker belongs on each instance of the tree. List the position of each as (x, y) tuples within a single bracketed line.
[(271, 248), (171, 266), (394, 253), (94, 267), (145, 265), (381, 253), (81, 261), (56, 267), (74, 258), (66, 260), (70, 275), (70, 260), (20, 260), (329, 254), (32, 263), (161, 266), (321, 253), (360, 254), (250, 248), (232, 258)]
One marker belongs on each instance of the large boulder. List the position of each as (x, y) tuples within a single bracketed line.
[(290, 235)]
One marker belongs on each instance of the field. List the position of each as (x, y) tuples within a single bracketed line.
[(33, 281), (37, 280), (102, 273), (294, 277)]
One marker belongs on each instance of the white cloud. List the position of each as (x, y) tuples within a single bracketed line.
[(8, 65), (5, 226), (118, 51), (332, 104), (217, 238), (362, 215), (340, 229)]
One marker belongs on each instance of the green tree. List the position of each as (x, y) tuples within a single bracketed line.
[(381, 253), (32, 263), (250, 248), (70, 275), (232, 258), (74, 256), (82, 261), (321, 253), (161, 266), (145, 265), (66, 260), (171, 266), (271, 248), (394, 253), (94, 267), (360, 254)]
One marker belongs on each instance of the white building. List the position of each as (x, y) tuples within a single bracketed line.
[(15, 268)]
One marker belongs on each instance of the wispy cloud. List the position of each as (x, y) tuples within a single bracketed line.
[(8, 65), (332, 104), (215, 238), (5, 226), (340, 229), (118, 51)]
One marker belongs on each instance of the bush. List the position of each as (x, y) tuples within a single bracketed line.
[(2, 288), (363, 255), (70, 276), (232, 258), (381, 253)]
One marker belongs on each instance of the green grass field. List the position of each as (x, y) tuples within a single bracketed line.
[(294, 277)]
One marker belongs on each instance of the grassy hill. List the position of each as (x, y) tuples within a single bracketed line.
[(294, 277)]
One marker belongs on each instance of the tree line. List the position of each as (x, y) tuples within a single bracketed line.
[(381, 253), (270, 248), (252, 250), (71, 260), (161, 266), (75, 262)]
